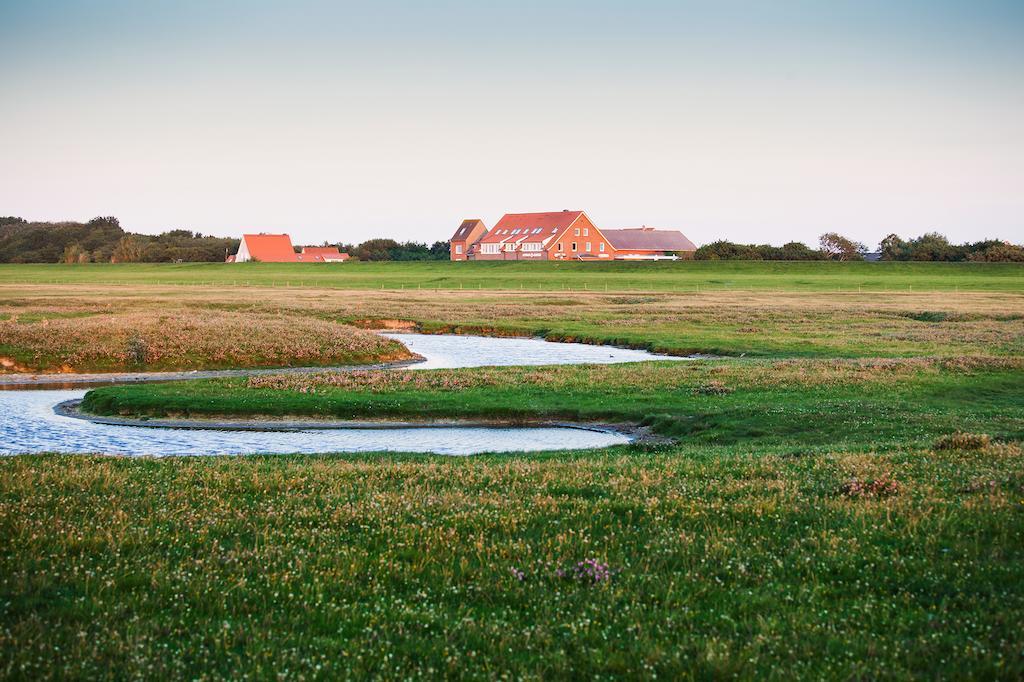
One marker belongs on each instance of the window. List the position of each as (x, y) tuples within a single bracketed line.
[(577, 233), (536, 230), (458, 248), (510, 246), (515, 231), (490, 248), (600, 247), (559, 246), (531, 246), (586, 233), (574, 246), (588, 247)]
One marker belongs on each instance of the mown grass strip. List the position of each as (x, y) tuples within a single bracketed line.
[(690, 276)]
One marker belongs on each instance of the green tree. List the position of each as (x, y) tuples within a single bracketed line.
[(74, 253), (933, 246), (837, 247), (1000, 253), (800, 251), (128, 250), (375, 249), (726, 250), (894, 248)]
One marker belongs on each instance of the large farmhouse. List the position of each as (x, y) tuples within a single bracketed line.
[(563, 235)]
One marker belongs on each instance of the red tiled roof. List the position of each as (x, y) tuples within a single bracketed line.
[(270, 248), (648, 239), (320, 254), (530, 227)]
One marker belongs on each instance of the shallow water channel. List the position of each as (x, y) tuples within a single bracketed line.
[(28, 423)]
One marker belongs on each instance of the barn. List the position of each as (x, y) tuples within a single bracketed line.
[(265, 248), (647, 243)]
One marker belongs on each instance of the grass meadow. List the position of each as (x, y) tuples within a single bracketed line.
[(843, 497), (544, 276)]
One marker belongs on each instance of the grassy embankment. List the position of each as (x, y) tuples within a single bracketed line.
[(807, 403), (575, 276)]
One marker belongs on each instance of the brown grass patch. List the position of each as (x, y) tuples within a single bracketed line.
[(964, 441), (874, 488), (190, 339)]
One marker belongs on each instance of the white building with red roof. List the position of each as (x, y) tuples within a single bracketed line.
[(265, 248)]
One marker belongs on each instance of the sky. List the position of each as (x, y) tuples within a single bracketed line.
[(766, 121)]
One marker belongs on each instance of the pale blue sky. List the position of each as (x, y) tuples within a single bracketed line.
[(752, 121)]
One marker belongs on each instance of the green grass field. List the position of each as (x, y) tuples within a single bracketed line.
[(726, 562), (576, 276), (819, 516)]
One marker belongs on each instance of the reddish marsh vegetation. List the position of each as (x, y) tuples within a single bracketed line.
[(188, 339)]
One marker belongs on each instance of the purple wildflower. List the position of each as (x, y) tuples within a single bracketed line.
[(592, 571)]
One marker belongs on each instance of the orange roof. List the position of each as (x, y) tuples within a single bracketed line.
[(466, 229), (530, 227), (270, 248), (315, 254)]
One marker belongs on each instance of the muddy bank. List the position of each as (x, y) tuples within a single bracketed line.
[(72, 408), (72, 380)]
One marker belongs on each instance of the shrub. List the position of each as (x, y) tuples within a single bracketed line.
[(135, 351), (963, 441), (884, 486)]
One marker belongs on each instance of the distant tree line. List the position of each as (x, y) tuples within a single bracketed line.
[(389, 249), (102, 240), (935, 247), (833, 246)]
